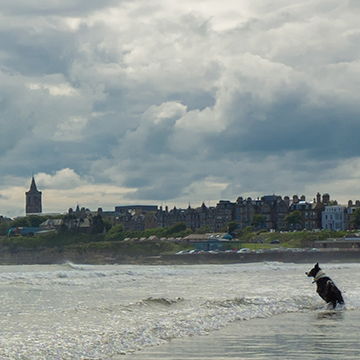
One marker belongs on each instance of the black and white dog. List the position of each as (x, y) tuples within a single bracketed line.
[(325, 286)]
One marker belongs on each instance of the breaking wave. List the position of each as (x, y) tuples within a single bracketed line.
[(80, 267), (175, 318), (160, 301)]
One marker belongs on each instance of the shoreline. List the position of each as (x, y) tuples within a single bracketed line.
[(59, 256)]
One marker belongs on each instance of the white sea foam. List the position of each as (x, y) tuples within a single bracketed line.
[(71, 265), (82, 311)]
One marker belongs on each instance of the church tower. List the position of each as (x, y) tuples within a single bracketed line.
[(33, 199)]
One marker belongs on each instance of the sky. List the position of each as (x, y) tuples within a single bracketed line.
[(165, 102)]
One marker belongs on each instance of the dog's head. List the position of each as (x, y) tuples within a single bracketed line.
[(313, 271)]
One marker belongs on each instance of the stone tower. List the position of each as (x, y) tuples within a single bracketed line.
[(33, 199)]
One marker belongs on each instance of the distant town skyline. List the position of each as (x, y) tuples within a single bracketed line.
[(121, 102), (55, 207)]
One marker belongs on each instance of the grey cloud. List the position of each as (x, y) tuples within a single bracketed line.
[(164, 189), (291, 124), (167, 102), (57, 7), (34, 53)]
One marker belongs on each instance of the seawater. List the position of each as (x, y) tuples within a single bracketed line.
[(74, 311), (320, 335)]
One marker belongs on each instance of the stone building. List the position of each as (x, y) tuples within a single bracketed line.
[(266, 213), (311, 211), (351, 209), (309, 215), (271, 210), (33, 199), (334, 217)]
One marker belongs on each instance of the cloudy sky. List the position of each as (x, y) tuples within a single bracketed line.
[(119, 102)]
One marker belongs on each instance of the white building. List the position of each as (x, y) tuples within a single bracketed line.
[(334, 218)]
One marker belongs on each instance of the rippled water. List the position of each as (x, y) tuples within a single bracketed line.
[(100, 312), (320, 335)]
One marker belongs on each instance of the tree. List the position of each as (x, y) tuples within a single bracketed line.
[(232, 226), (36, 220), (295, 219), (203, 230), (4, 227), (258, 221), (107, 224), (115, 233), (21, 221), (177, 228), (355, 219), (97, 225)]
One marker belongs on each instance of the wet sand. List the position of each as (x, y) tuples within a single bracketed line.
[(312, 335)]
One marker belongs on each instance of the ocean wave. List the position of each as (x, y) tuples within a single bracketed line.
[(166, 319), (79, 267), (161, 301)]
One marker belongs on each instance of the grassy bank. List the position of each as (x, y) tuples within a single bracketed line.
[(298, 239), (82, 243), (129, 248)]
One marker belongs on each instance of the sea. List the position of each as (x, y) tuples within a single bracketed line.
[(266, 310)]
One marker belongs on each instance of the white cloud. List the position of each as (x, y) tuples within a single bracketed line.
[(55, 90), (86, 195), (208, 190), (12, 201), (201, 121), (60, 191), (164, 112), (61, 179)]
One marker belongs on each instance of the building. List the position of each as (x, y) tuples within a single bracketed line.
[(265, 213), (269, 212), (309, 215), (334, 218), (352, 214), (33, 199), (135, 208)]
